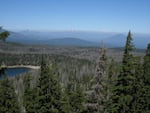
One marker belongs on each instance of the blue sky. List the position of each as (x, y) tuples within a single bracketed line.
[(85, 15)]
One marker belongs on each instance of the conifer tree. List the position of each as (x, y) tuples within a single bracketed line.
[(8, 97), (138, 88), (147, 79), (49, 92), (68, 91), (112, 75), (77, 99), (30, 95), (100, 87), (123, 90), (66, 106), (74, 97)]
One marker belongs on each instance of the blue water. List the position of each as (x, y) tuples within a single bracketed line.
[(16, 71)]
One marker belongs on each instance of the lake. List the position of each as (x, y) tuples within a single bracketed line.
[(16, 71)]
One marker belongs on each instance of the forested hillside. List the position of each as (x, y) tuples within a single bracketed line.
[(72, 82)]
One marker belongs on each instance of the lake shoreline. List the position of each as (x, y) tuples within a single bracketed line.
[(22, 66)]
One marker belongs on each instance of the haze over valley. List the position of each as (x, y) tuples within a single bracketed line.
[(78, 38)]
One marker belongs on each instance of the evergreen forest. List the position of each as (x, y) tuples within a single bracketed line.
[(69, 84)]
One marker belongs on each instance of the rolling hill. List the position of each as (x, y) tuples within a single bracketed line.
[(78, 38)]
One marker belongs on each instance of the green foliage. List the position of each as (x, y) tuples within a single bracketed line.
[(61, 88), (30, 95), (2, 71), (78, 99), (49, 92), (123, 90), (138, 88), (146, 66), (8, 97), (4, 35), (129, 47), (74, 98)]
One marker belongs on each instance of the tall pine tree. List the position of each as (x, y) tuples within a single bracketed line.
[(49, 92), (99, 95), (123, 90)]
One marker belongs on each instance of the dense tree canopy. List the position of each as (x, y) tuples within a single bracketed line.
[(71, 87), (123, 96), (30, 96), (8, 97), (49, 92), (147, 78)]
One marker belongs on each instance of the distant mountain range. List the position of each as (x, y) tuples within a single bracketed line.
[(78, 38), (64, 41)]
